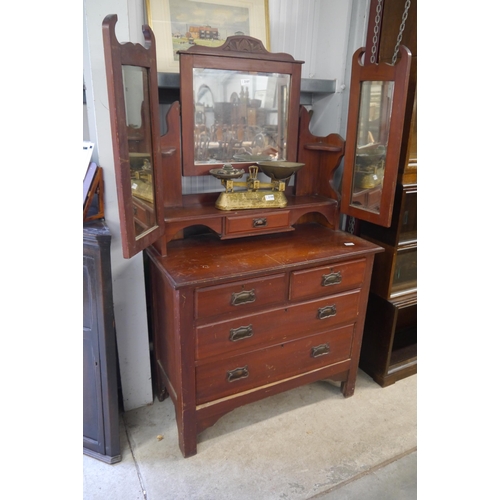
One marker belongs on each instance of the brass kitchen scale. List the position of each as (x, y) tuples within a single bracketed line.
[(257, 194)]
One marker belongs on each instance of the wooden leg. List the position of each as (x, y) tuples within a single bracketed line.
[(186, 427), (347, 387)]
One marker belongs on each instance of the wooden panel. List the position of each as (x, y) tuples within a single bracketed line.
[(326, 280), (276, 325), (269, 365)]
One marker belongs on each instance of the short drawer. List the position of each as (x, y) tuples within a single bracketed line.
[(143, 216), (240, 296), (326, 280), (264, 366), (255, 223), (276, 325)]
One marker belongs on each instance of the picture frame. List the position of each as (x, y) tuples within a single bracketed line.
[(179, 24)]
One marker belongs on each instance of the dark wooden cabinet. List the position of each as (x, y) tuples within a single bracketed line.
[(389, 350), (100, 387)]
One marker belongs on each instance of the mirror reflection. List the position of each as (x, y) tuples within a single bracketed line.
[(135, 87), (371, 147), (239, 116)]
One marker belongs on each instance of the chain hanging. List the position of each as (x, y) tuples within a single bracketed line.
[(401, 30), (376, 31)]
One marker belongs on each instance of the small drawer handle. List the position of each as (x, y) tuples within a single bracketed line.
[(244, 297), (320, 350), (243, 332), (331, 279), (237, 374), (262, 222), (327, 311)]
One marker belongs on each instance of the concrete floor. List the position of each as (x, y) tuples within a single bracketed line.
[(308, 443)]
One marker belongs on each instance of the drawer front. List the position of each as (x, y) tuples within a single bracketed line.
[(258, 368), (253, 224), (143, 217), (326, 280), (240, 296), (277, 325)]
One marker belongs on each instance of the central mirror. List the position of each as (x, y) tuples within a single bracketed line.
[(239, 116), (240, 105)]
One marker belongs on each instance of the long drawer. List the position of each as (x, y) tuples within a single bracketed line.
[(276, 325), (240, 296), (264, 366)]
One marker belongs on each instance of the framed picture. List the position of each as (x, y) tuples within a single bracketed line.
[(179, 24)]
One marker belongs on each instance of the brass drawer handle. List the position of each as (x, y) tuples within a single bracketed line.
[(237, 374), (327, 311), (331, 279), (262, 222), (320, 350), (243, 332), (244, 297)]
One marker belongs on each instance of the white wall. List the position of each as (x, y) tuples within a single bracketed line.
[(322, 33)]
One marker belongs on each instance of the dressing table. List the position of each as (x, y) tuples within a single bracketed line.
[(244, 303)]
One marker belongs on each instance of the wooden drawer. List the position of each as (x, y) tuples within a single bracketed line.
[(240, 296), (326, 280), (257, 223), (143, 215), (264, 366), (277, 325)]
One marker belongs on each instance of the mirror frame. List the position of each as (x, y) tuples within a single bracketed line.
[(238, 53), (116, 56), (398, 73)]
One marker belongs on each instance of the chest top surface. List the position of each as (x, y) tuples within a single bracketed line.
[(195, 261)]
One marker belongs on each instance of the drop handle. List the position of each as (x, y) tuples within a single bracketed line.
[(327, 312), (243, 332), (238, 374), (331, 279), (243, 297), (320, 350), (262, 222)]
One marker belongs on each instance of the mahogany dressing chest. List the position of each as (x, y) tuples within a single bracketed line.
[(244, 303)]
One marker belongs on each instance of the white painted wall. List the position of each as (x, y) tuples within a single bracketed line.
[(322, 33)]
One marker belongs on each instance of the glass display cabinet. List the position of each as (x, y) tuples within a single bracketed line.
[(244, 301)]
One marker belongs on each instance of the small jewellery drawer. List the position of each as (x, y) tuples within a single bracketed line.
[(256, 223), (240, 296), (326, 280), (276, 325), (265, 366)]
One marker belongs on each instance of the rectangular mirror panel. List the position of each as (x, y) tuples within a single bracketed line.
[(239, 116), (137, 106), (371, 146)]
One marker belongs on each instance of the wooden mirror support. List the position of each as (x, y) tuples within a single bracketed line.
[(133, 103), (375, 125)]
